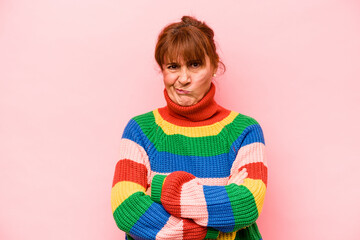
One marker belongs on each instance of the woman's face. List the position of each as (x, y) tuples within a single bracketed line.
[(187, 82)]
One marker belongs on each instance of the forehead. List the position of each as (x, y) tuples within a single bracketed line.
[(182, 60), (184, 51)]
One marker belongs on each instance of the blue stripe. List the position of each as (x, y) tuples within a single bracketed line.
[(219, 217), (163, 162), (132, 237), (134, 133), (251, 134), (153, 220), (217, 166), (201, 167)]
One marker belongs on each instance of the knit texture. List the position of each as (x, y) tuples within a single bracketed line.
[(206, 167)]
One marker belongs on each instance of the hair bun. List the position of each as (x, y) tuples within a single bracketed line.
[(191, 21)]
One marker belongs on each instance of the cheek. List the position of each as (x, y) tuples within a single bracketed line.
[(204, 80), (169, 79), (203, 83)]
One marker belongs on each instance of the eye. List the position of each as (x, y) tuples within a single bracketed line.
[(172, 66), (195, 64)]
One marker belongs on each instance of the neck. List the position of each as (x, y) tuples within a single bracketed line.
[(205, 112), (200, 111)]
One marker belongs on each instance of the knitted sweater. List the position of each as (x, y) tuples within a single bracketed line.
[(187, 155)]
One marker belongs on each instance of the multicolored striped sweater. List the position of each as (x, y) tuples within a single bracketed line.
[(195, 172)]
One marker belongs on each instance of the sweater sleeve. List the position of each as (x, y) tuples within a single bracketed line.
[(226, 208), (135, 212)]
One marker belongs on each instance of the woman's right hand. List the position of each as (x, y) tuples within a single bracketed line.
[(148, 191)]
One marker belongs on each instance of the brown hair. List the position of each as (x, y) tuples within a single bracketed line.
[(189, 39)]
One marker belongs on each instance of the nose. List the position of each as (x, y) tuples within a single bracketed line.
[(184, 76)]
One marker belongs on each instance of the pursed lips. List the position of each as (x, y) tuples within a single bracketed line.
[(181, 91)]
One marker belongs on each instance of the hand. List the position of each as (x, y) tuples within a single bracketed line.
[(148, 191), (239, 177)]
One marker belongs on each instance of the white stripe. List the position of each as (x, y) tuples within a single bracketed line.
[(193, 202), (173, 229), (251, 153), (133, 151), (202, 181)]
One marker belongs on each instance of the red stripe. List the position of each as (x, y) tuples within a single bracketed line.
[(128, 170), (192, 230), (171, 191), (217, 117), (256, 171)]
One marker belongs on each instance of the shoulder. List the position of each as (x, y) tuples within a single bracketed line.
[(144, 118), (140, 123), (243, 119), (246, 129), (242, 124)]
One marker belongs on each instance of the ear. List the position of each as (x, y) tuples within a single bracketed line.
[(215, 71)]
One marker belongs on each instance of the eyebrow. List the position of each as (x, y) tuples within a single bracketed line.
[(190, 61)]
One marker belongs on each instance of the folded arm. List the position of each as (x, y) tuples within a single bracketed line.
[(135, 212), (225, 208)]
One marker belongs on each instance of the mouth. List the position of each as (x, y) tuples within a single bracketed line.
[(181, 91)]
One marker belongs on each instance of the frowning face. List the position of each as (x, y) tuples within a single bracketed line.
[(187, 82)]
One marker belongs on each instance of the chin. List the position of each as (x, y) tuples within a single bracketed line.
[(187, 104), (184, 102)]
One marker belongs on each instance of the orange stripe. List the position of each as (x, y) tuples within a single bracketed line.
[(128, 170), (192, 230), (256, 171), (171, 190)]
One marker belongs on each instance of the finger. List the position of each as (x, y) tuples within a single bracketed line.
[(234, 179), (242, 170), (238, 178), (244, 173), (148, 191)]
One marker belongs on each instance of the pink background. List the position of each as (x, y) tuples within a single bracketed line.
[(72, 73)]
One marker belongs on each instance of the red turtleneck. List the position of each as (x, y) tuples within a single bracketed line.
[(205, 112)]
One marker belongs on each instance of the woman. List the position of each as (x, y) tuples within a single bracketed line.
[(191, 169)]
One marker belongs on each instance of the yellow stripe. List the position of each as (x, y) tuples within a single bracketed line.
[(122, 190), (258, 188), (203, 131), (227, 236)]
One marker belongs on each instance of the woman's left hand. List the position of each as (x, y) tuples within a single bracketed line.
[(239, 177)]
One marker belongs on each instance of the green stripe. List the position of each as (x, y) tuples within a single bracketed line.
[(193, 146), (129, 237), (156, 187), (243, 205), (129, 212), (249, 233), (212, 233)]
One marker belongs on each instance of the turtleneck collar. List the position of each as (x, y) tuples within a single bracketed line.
[(204, 109)]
